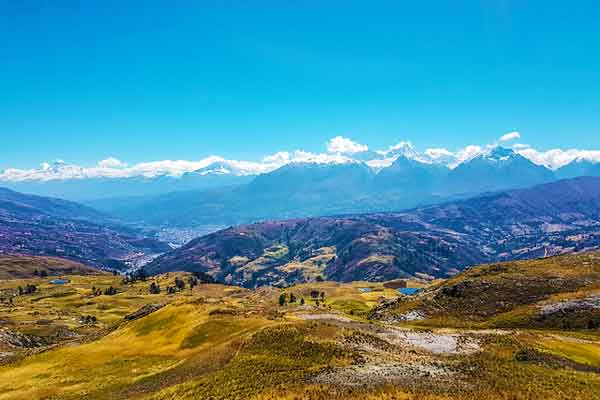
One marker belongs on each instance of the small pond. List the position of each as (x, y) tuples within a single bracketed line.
[(409, 291)]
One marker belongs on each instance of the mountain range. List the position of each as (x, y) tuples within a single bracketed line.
[(299, 190), (433, 241)]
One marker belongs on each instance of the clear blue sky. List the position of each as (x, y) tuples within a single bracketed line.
[(149, 80)]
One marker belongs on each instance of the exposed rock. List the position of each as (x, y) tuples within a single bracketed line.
[(18, 339), (588, 303)]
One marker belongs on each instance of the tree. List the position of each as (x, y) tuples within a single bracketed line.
[(179, 283), (110, 291), (193, 282), (29, 289), (302, 301), (141, 275), (282, 298), (20, 290), (203, 277), (292, 298), (319, 278), (44, 273), (154, 288)]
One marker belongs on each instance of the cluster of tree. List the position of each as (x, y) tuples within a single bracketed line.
[(154, 288), (43, 273), (203, 277), (315, 294), (88, 319), (109, 291), (139, 275), (29, 289), (180, 285), (193, 281), (283, 299)]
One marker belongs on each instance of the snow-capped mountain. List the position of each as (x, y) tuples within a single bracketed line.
[(411, 175), (400, 169), (498, 168)]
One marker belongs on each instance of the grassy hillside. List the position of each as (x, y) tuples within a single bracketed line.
[(21, 267), (310, 341), (560, 292)]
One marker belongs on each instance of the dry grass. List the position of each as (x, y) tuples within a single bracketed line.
[(224, 342)]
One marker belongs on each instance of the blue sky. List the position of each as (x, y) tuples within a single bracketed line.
[(150, 81)]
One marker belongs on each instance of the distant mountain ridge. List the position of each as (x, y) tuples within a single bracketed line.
[(36, 225), (554, 218), (500, 169), (299, 190)]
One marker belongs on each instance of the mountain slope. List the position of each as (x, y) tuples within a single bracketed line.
[(579, 167), (499, 169), (295, 190), (22, 267), (411, 176), (439, 240), (25, 206), (45, 226), (560, 292)]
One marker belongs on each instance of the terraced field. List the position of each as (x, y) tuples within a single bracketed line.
[(312, 341)]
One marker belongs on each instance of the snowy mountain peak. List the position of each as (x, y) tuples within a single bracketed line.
[(499, 153)]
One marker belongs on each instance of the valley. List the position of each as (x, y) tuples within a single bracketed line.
[(299, 200), (435, 241), (58, 228)]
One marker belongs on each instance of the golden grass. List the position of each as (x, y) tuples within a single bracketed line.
[(222, 342)]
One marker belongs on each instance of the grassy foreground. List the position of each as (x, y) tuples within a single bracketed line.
[(224, 342)]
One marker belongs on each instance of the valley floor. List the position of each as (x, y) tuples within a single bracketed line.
[(224, 342)]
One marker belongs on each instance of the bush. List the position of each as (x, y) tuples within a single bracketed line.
[(110, 291), (282, 298), (154, 288), (179, 284)]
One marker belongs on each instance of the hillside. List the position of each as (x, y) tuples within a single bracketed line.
[(23, 267), (439, 241), (561, 292), (51, 227), (311, 341), (25, 206)]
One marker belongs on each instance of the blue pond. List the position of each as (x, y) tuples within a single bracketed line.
[(409, 291), (59, 281), (365, 290)]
